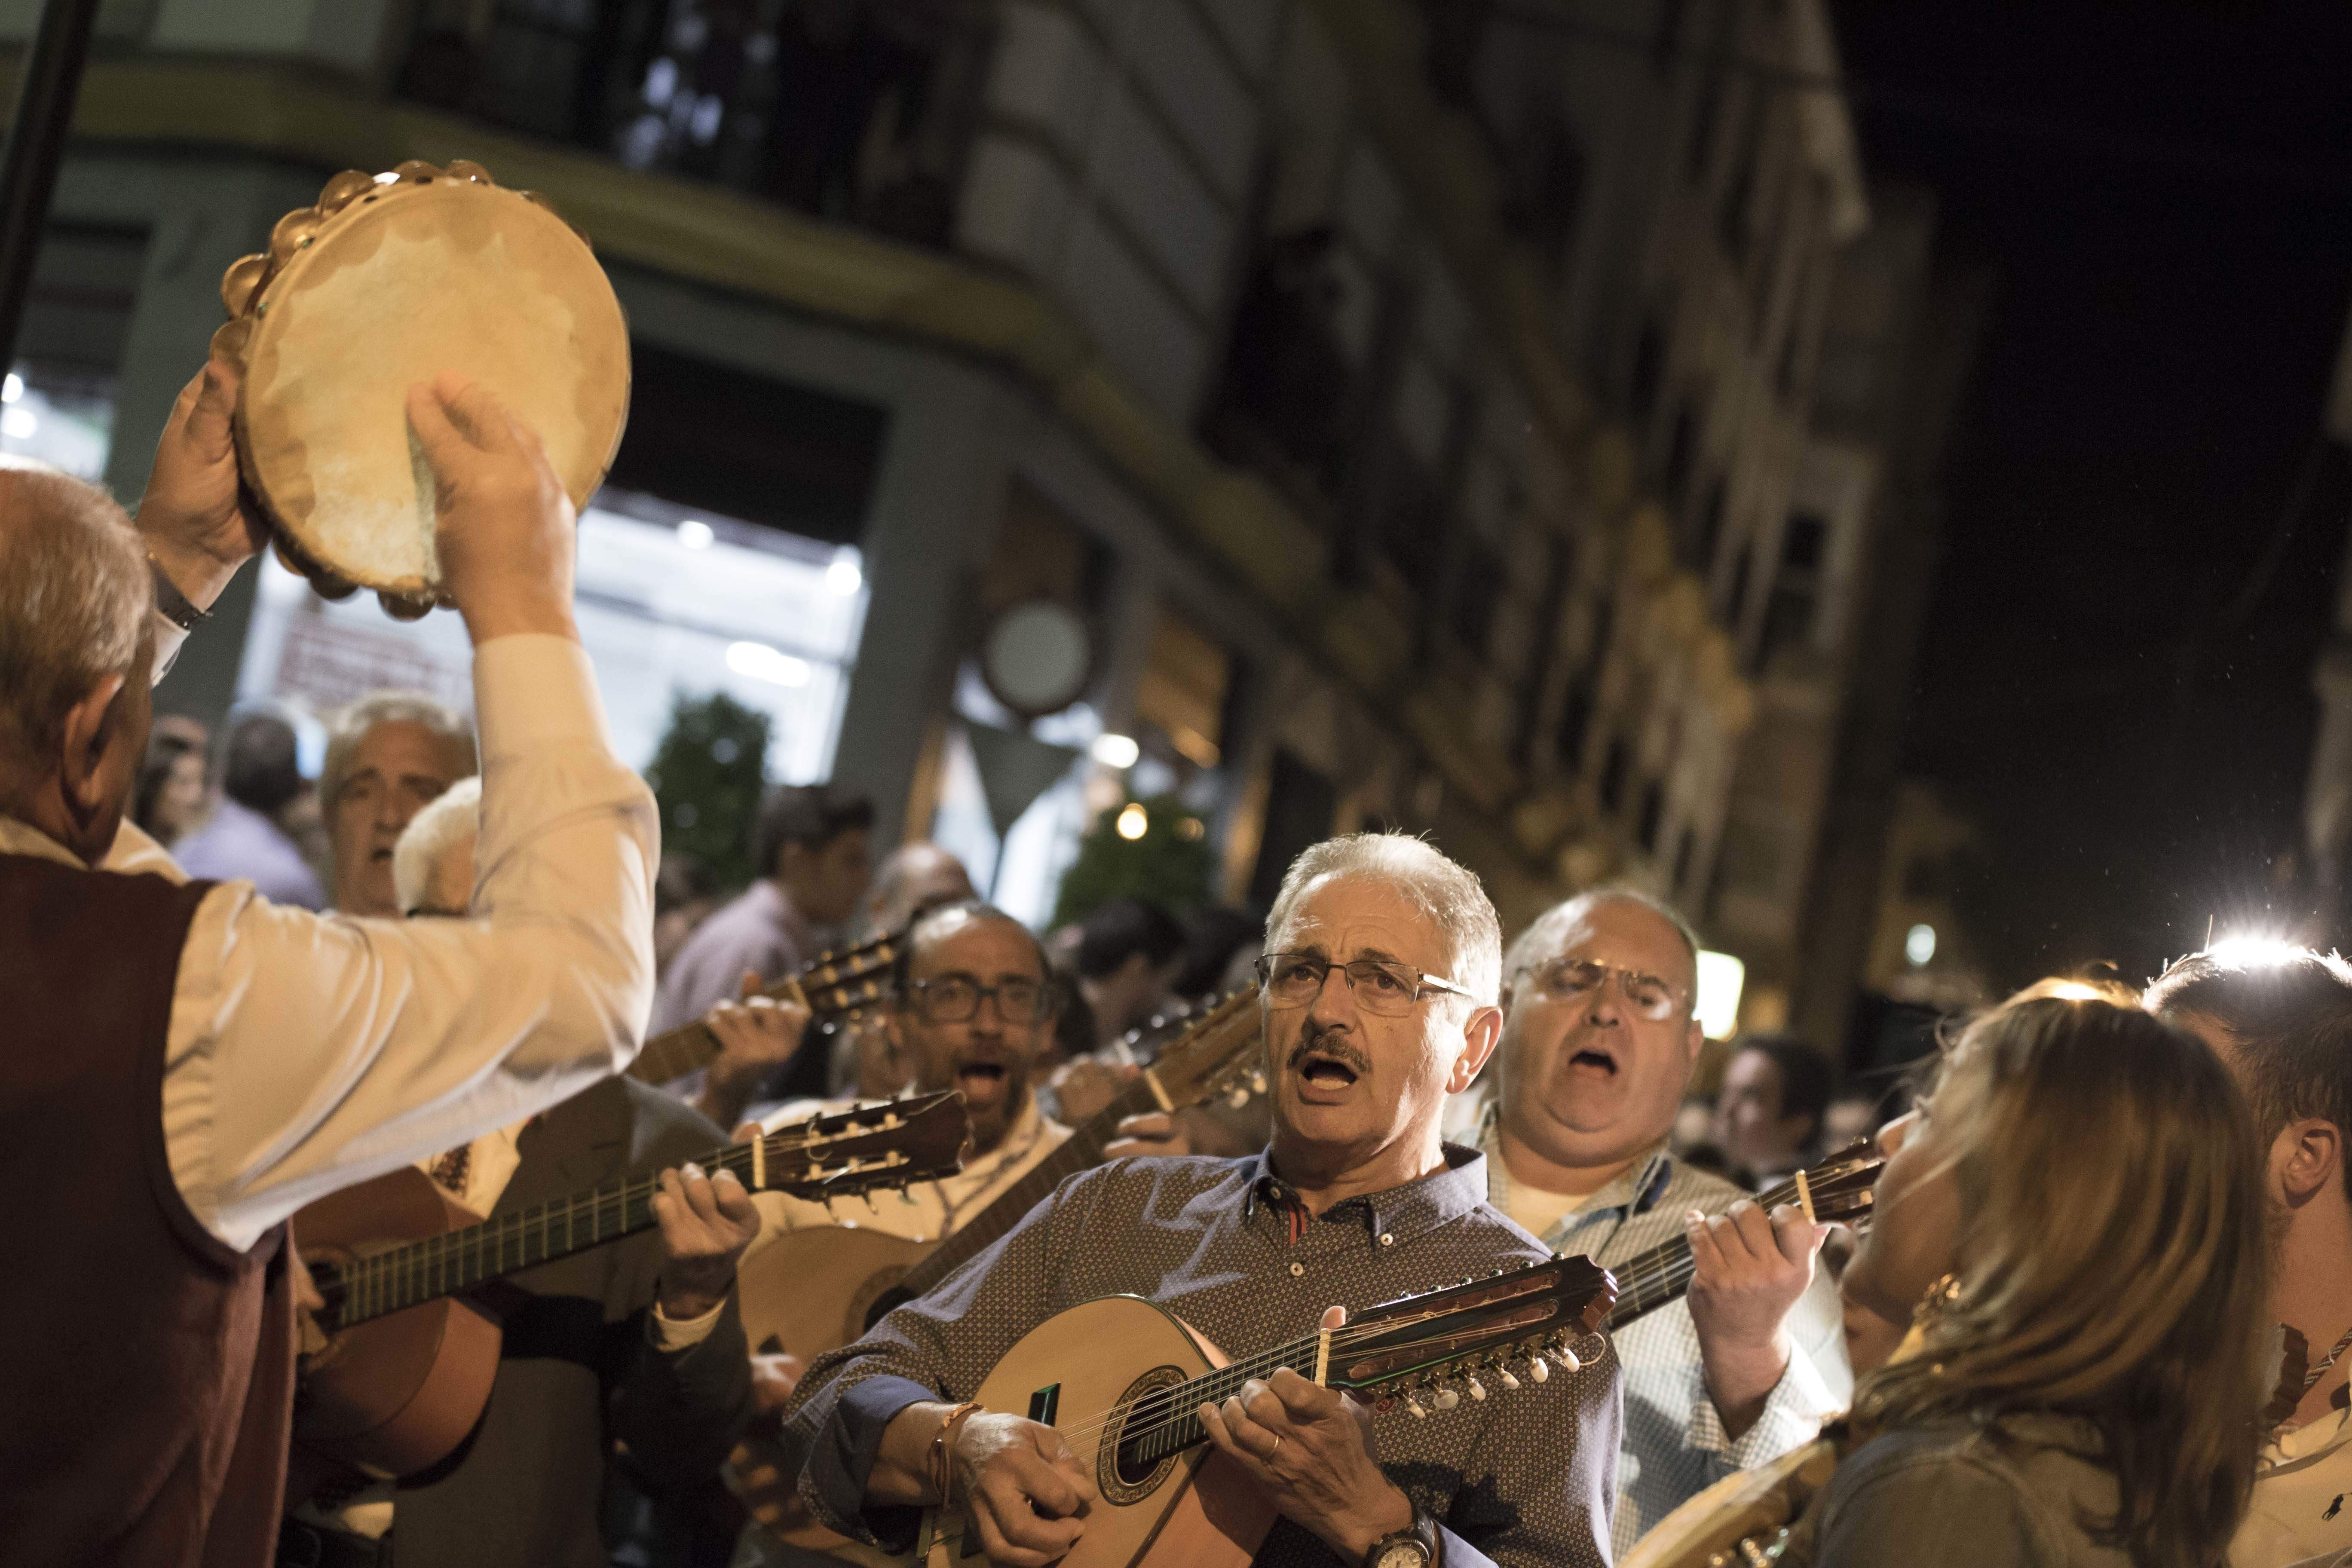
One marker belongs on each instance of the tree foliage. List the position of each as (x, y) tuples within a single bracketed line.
[(1171, 865), (707, 774)]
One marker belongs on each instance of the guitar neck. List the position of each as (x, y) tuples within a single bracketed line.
[(833, 986), (1082, 1151), (439, 1265), (1166, 1433), (689, 1048), (1658, 1275)]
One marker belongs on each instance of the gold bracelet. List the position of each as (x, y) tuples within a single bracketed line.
[(942, 1467)]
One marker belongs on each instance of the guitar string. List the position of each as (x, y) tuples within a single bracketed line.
[(1341, 1338), (432, 1261), (376, 1283), (1670, 1264)]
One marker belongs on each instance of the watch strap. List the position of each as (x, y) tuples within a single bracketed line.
[(175, 607), (1421, 1532)]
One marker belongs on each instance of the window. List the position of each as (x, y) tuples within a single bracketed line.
[(57, 406), (1789, 613), (1575, 720), (670, 600), (1477, 590), (1649, 369), (1735, 602), (1612, 774), (1706, 532), (1654, 814), (1543, 179), (1682, 451)]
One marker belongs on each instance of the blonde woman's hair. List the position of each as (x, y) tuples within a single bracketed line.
[(2113, 1263)]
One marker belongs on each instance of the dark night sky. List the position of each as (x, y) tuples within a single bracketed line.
[(2165, 191)]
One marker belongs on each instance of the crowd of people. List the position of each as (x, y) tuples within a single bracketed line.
[(2099, 1313)]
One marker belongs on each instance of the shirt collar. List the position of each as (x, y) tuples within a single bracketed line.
[(23, 839), (1446, 1193), (1635, 1190)]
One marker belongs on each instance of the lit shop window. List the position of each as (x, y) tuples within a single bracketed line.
[(669, 602), (58, 417)]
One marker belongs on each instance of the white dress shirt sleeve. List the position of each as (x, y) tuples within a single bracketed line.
[(310, 1052)]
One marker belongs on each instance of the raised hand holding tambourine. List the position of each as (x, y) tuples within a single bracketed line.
[(390, 281)]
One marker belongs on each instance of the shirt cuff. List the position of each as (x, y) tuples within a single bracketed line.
[(842, 1460), (1792, 1416), (533, 688), (1454, 1551), (168, 638), (669, 1336)]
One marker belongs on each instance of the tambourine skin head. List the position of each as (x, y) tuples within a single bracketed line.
[(385, 284)]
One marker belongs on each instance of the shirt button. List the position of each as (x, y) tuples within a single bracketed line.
[(1387, 1240), (1296, 1270)]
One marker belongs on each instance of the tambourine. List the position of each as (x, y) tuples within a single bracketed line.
[(389, 280)]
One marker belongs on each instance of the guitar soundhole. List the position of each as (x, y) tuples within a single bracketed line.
[(1121, 1468)]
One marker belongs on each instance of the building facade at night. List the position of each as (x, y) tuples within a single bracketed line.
[(1411, 400)]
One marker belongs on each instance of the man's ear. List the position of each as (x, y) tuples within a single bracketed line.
[(1480, 1031), (89, 727), (2307, 1159)]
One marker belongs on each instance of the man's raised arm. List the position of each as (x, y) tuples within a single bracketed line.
[(308, 1053)]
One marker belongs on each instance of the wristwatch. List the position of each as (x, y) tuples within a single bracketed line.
[(1415, 1546), (172, 604)]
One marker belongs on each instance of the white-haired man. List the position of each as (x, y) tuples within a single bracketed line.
[(1598, 1047), (1380, 980), (669, 1380), (389, 754), (194, 1064)]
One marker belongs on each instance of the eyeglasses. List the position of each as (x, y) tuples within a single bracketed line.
[(1574, 979), (438, 913), (954, 998), (1389, 990)]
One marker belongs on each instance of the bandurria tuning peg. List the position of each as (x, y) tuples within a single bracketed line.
[(1538, 1368), (1477, 1389), (1414, 1405), (1503, 1375), (1447, 1399)]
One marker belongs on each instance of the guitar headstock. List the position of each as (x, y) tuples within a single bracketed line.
[(889, 1144), (1218, 1055), (1843, 1188), (1523, 1320), (845, 984)]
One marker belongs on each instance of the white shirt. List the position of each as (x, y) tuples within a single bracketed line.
[(2301, 1504), (306, 1053)]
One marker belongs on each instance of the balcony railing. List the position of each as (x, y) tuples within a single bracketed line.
[(859, 110)]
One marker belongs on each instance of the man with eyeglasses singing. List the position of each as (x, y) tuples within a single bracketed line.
[(972, 1010), (1379, 1000), (1598, 1048)]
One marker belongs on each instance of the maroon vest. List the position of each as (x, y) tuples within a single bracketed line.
[(146, 1370)]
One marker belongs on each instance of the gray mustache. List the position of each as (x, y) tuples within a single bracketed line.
[(1338, 1047)]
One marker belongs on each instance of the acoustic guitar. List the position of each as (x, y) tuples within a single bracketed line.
[(397, 1368), (816, 1290), (1121, 1377), (836, 987)]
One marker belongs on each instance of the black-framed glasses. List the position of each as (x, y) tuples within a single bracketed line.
[(1575, 979), (954, 998), (1295, 979)]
